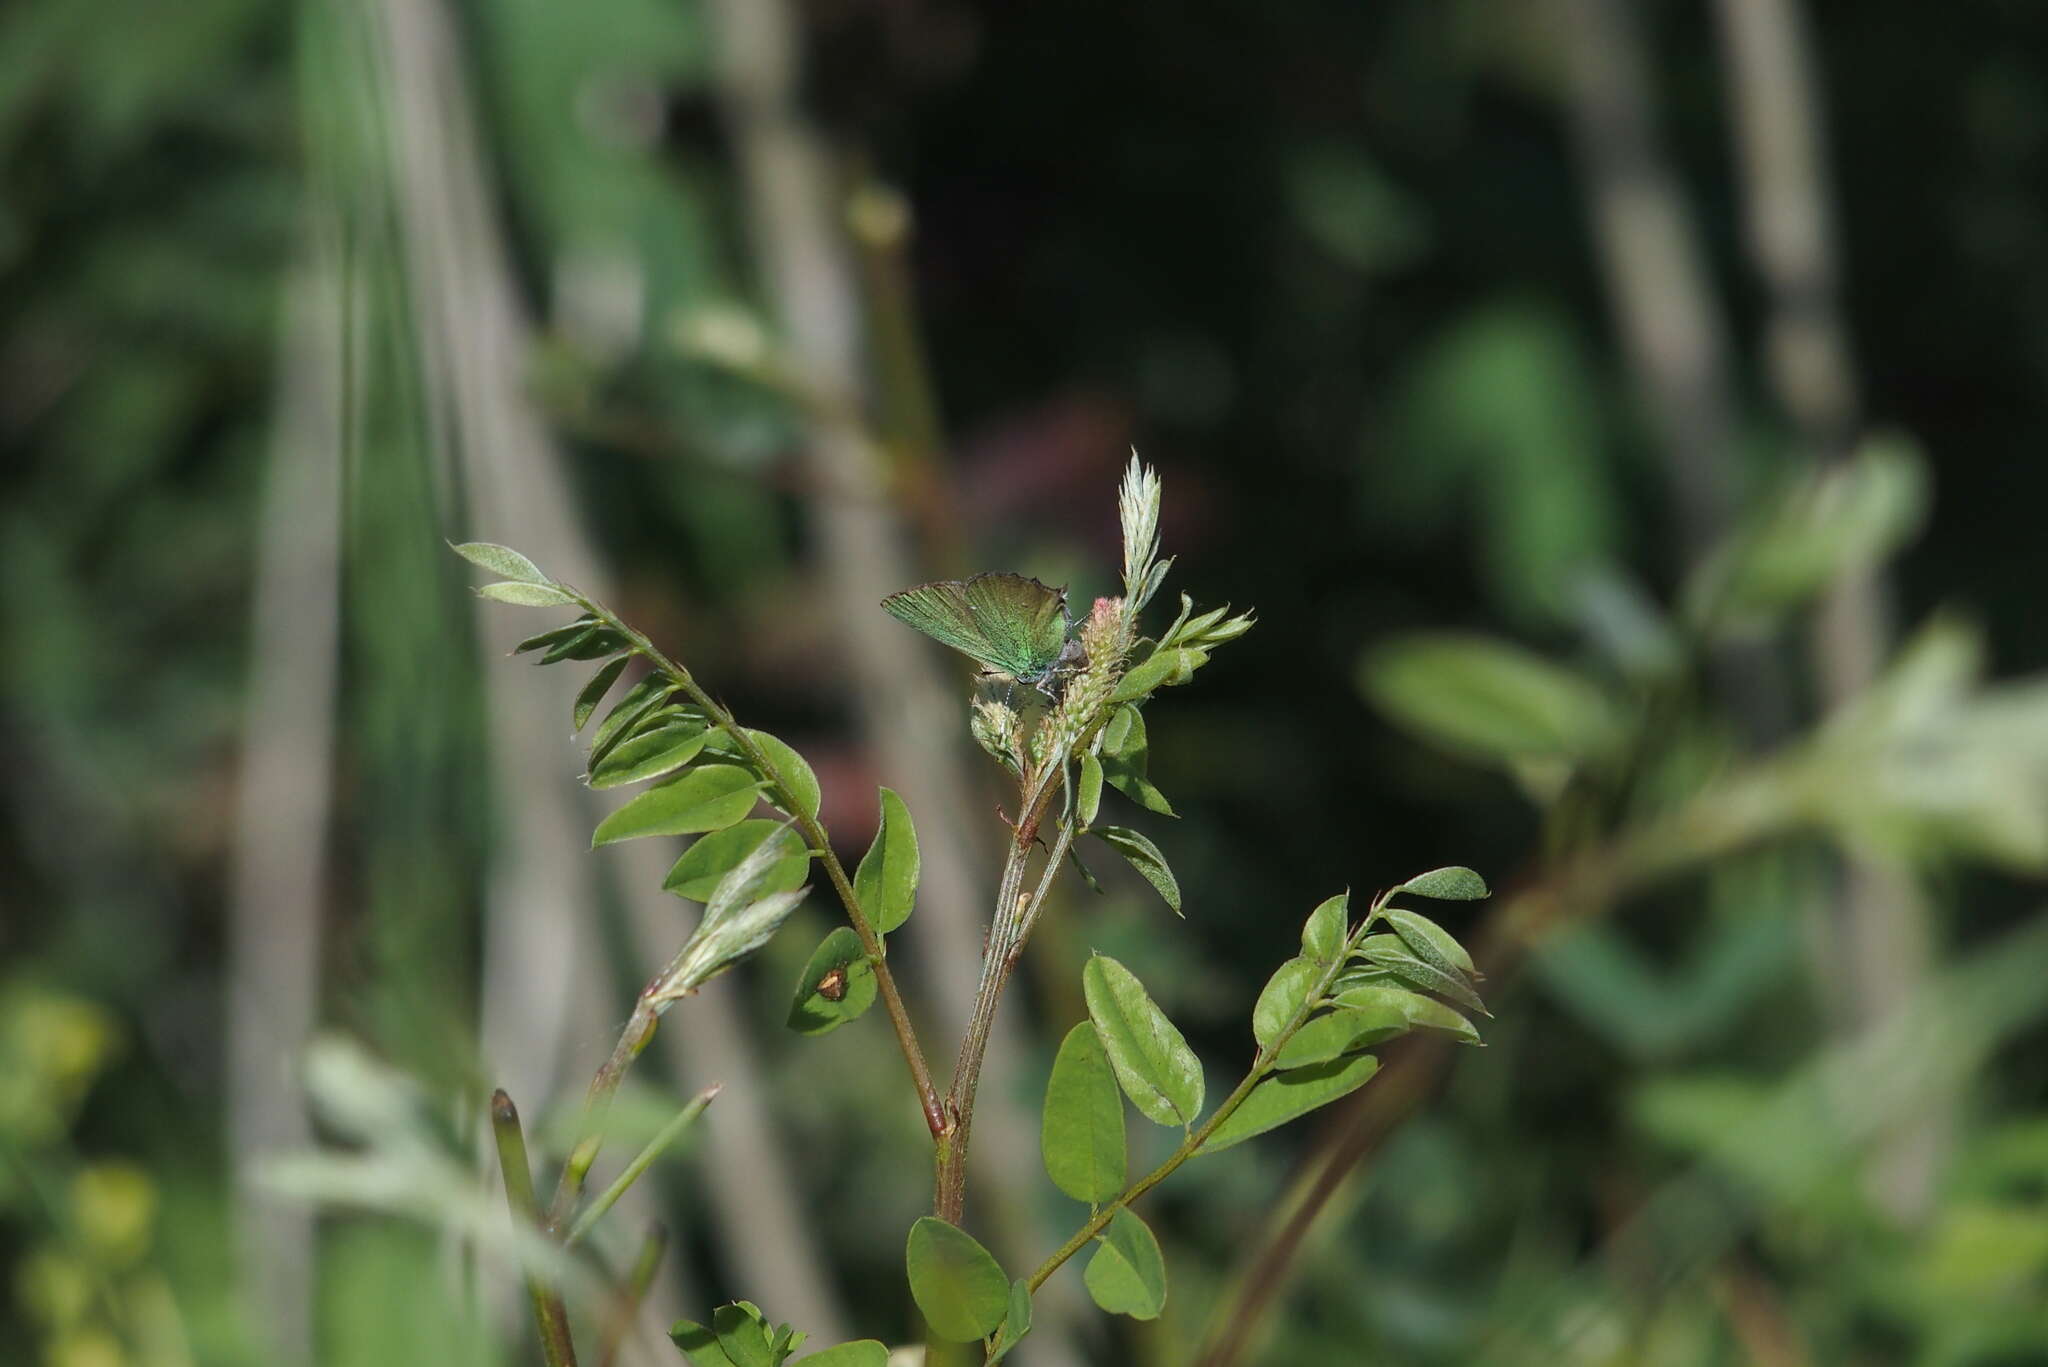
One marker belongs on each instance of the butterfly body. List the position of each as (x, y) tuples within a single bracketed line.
[(1013, 626)]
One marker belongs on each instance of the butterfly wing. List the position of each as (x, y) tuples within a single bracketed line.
[(1023, 621), (940, 610)]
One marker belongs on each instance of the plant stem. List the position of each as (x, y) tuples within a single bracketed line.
[(641, 1162), (815, 836), (549, 1314), (1009, 927), (1262, 1065), (604, 1084)]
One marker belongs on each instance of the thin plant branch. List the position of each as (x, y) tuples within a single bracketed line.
[(550, 1317), (643, 1160)]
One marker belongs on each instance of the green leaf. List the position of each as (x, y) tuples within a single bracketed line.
[(1296, 1092), (525, 595), (1389, 952), (1016, 1323), (1088, 791), (1340, 1032), (1144, 856), (794, 780), (838, 985), (1284, 997), (586, 638), (502, 561), (1166, 667), (1453, 884), (1387, 1004), (1488, 699), (1431, 942), (704, 799), (859, 1353), (956, 1283), (1127, 1275), (744, 1336), (593, 692), (1159, 1073), (555, 636), (885, 884), (650, 754), (724, 938), (1118, 733), (1322, 936), (1082, 1134), (1126, 753), (696, 875), (594, 642), (748, 879), (699, 1344), (640, 700)]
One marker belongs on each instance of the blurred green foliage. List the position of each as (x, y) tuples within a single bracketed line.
[(1329, 265)]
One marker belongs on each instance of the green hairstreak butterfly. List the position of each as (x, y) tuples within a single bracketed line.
[(1014, 626)]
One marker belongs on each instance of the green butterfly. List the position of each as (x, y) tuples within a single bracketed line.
[(1014, 626)]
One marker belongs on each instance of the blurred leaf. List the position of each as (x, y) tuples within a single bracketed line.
[(1284, 997), (1082, 1133), (885, 884), (1016, 1323), (1158, 1071), (1144, 856), (1453, 884), (525, 595), (1504, 408), (1323, 934), (1845, 517), (696, 875), (1488, 699), (1346, 204), (836, 986), (1126, 1275), (1650, 1012), (958, 1286), (502, 561), (704, 799), (593, 692), (650, 754), (1286, 1095), (1431, 942)]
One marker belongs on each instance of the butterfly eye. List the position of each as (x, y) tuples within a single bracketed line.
[(832, 987)]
